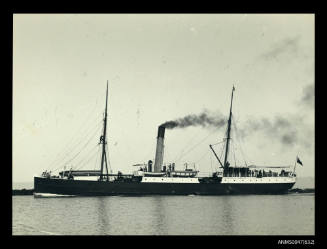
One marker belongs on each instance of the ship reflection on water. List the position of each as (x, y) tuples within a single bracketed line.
[(159, 214), (103, 219), (151, 219), (204, 215), (227, 216), (165, 215), (154, 220)]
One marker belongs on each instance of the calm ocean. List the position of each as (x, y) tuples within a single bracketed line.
[(291, 214)]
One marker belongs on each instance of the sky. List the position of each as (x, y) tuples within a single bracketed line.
[(161, 67)]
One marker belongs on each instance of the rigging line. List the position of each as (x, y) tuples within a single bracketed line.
[(77, 144), (195, 146), (166, 155), (64, 164), (87, 156), (108, 159), (222, 150), (187, 144), (68, 142), (215, 165), (88, 159), (84, 128), (77, 139), (238, 137), (80, 164), (74, 167), (81, 149), (207, 151), (72, 138), (86, 162), (179, 156), (234, 152), (218, 143), (233, 144), (96, 161), (88, 141), (211, 162), (216, 168)]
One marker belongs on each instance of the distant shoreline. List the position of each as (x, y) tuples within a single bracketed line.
[(22, 191), (31, 191)]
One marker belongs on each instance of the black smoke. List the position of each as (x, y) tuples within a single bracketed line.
[(204, 119), (288, 130)]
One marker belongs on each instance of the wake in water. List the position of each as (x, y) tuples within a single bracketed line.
[(48, 195), (50, 233), (300, 190), (30, 230)]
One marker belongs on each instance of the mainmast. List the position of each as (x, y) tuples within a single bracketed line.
[(103, 139), (226, 163)]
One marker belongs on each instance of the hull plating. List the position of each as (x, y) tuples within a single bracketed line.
[(95, 188)]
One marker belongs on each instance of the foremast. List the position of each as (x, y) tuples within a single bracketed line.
[(226, 163), (104, 142)]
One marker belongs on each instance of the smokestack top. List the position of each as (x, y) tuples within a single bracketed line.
[(161, 131)]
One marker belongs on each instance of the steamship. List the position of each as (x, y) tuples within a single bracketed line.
[(159, 179)]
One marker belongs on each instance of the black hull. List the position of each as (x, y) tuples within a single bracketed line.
[(96, 188)]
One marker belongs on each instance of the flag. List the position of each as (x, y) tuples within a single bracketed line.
[(298, 161), (233, 88)]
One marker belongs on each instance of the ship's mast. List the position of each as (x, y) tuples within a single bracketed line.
[(226, 164), (103, 139)]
